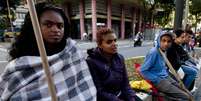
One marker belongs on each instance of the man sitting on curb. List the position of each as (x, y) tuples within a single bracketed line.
[(155, 70), (179, 58)]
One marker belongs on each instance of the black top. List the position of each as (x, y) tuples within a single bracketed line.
[(110, 76), (177, 55)]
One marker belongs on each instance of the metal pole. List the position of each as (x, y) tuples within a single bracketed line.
[(186, 14), (42, 50), (179, 14), (8, 7)]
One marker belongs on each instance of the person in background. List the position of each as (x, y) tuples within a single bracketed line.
[(138, 39), (188, 45), (108, 69), (85, 36), (24, 78), (155, 70), (179, 58), (198, 39)]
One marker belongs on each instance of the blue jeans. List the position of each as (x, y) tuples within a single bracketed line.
[(190, 72)]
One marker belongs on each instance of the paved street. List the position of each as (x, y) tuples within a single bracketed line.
[(125, 47), (3, 55)]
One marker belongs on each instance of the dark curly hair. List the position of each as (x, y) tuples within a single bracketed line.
[(178, 32), (26, 45), (102, 32), (189, 32)]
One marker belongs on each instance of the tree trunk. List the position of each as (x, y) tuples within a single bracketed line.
[(152, 19), (196, 21), (179, 14)]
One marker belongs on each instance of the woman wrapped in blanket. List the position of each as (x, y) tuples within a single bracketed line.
[(24, 78)]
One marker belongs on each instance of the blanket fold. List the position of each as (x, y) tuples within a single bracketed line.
[(24, 78)]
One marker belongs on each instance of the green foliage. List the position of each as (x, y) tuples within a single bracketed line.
[(12, 3), (163, 17), (195, 7), (195, 11), (160, 17), (3, 23)]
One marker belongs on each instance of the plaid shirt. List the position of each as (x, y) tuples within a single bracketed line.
[(24, 78)]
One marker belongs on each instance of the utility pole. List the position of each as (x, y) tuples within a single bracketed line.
[(179, 14), (9, 16), (186, 14)]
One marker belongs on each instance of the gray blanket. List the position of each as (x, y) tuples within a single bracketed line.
[(24, 78)]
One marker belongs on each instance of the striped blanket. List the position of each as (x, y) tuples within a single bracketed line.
[(24, 78)]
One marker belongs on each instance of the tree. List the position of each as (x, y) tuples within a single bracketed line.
[(195, 11), (164, 17), (2, 23), (159, 11), (5, 18), (12, 3)]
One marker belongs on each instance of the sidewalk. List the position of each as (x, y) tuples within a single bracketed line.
[(119, 42), (5, 44)]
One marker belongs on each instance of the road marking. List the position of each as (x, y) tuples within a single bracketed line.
[(3, 61), (135, 57), (87, 43), (197, 47), (3, 49), (124, 46), (82, 43)]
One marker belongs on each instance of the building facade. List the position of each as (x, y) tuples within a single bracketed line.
[(20, 12), (124, 17)]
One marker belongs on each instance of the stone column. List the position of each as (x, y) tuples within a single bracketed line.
[(122, 22), (133, 21), (81, 8), (109, 14), (94, 19), (140, 20)]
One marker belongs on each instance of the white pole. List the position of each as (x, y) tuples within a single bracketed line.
[(41, 47)]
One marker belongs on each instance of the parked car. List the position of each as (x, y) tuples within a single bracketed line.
[(8, 33)]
